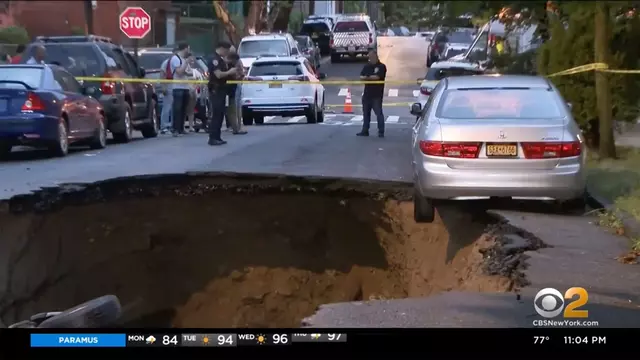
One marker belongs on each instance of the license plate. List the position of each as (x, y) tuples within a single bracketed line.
[(275, 86), (502, 150), (352, 48)]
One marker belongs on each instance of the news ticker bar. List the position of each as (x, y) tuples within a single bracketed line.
[(181, 340)]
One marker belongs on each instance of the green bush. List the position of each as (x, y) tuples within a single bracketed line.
[(14, 35), (524, 63), (573, 46)]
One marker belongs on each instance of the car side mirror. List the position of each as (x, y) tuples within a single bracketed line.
[(419, 81), (142, 71), (570, 105), (416, 109), (322, 76)]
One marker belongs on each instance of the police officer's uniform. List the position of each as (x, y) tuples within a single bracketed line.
[(217, 94), (372, 98)]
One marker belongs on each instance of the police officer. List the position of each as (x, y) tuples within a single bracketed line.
[(373, 93), (219, 73)]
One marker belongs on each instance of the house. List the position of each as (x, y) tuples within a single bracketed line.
[(68, 17)]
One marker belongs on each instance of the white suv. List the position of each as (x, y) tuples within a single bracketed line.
[(251, 47), (285, 96)]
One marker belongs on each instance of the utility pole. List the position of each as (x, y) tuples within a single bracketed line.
[(88, 16)]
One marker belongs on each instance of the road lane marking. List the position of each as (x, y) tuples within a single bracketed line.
[(343, 92), (416, 93), (357, 118), (393, 119), (329, 116), (268, 118), (295, 119), (393, 92)]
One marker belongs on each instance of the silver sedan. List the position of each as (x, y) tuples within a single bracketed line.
[(483, 137)]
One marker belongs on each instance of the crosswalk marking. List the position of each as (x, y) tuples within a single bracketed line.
[(295, 119), (268, 118), (357, 118), (393, 119), (343, 92), (393, 92), (390, 93), (337, 119), (416, 93)]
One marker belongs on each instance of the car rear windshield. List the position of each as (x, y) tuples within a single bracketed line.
[(302, 42), (276, 68), (351, 26), (437, 74), (315, 27), (32, 76), (79, 60), (453, 52), (503, 103), (152, 60), (255, 48), (460, 37)]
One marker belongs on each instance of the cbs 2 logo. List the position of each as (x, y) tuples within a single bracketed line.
[(549, 303)]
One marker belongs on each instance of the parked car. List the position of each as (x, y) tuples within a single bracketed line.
[(441, 70), (254, 46), (352, 36), (44, 106), (457, 42), (483, 137), (309, 50), (128, 106), (319, 29), (284, 99)]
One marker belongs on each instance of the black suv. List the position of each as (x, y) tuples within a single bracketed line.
[(319, 30), (127, 105)]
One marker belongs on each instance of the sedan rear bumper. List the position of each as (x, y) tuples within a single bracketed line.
[(436, 180), (28, 129)]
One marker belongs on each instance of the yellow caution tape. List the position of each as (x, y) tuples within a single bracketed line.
[(576, 70), (165, 81), (360, 105)]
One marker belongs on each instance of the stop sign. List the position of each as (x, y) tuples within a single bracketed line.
[(135, 22)]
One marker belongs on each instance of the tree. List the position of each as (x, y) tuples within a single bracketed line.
[(282, 13), (606, 146), (227, 23)]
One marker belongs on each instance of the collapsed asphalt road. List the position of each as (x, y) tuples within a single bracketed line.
[(238, 250), (578, 254)]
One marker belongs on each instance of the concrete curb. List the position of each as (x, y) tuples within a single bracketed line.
[(630, 224)]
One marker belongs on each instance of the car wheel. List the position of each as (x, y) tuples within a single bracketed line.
[(247, 119), (320, 114), (423, 209), (312, 113), (61, 145), (259, 120), (5, 150), (152, 129), (335, 58), (126, 134), (573, 206), (99, 140)]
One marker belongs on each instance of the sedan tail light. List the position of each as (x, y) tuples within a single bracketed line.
[(299, 78), (425, 90), (33, 103), (466, 150), (551, 150)]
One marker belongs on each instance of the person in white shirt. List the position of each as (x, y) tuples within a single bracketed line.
[(178, 65), (167, 100), (40, 53)]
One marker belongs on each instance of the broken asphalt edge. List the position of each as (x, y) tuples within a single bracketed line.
[(195, 183), (630, 224)]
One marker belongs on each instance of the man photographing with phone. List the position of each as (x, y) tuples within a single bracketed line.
[(178, 65), (219, 73)]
